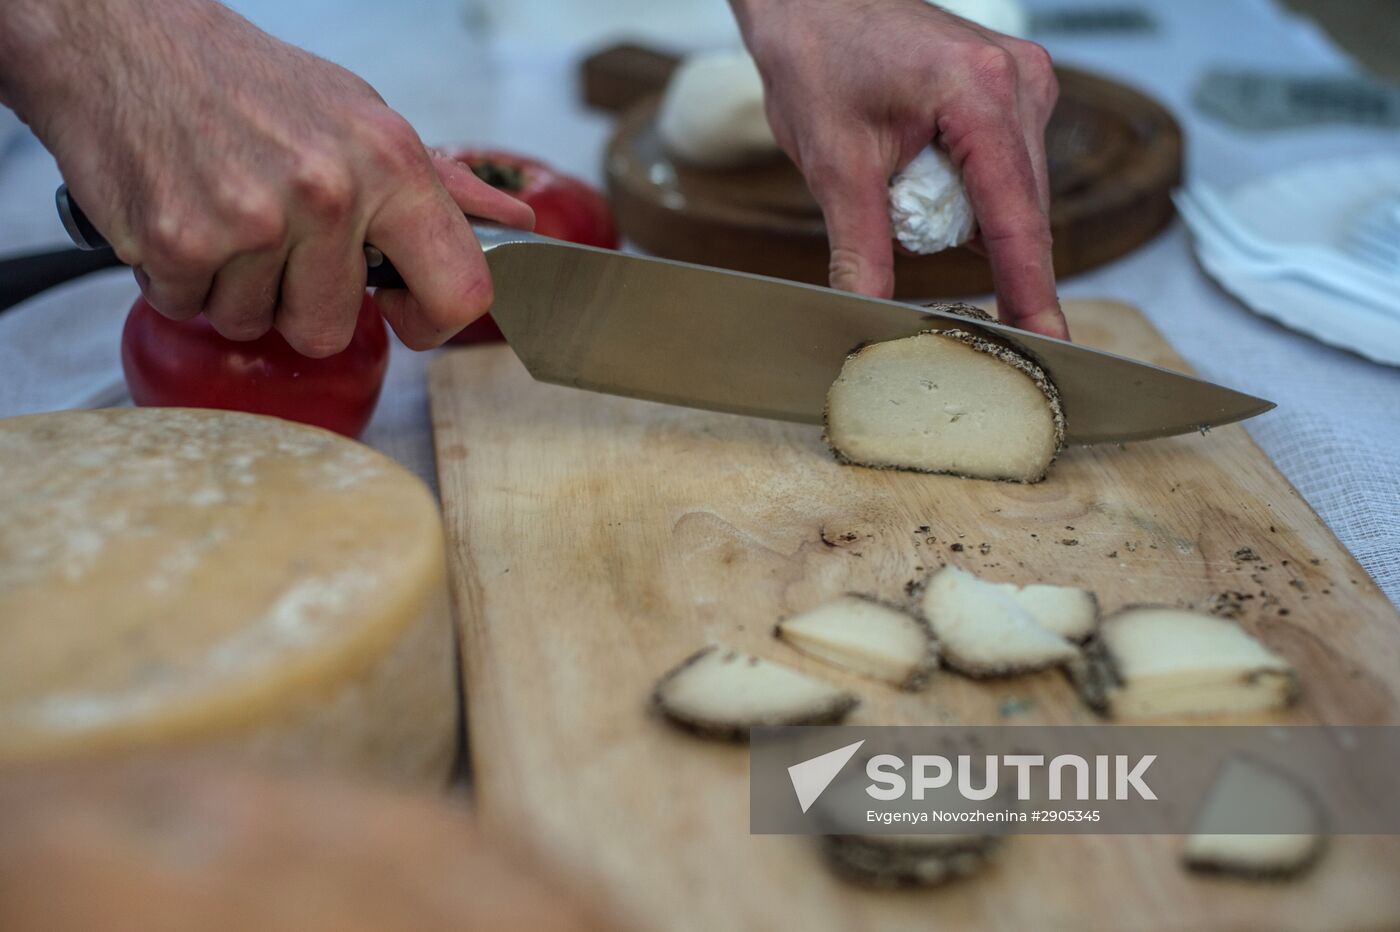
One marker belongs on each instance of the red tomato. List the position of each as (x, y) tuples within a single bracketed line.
[(565, 208), (187, 364)]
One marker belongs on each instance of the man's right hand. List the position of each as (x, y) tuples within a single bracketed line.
[(241, 176)]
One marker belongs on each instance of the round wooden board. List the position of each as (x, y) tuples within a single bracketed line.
[(1114, 156)]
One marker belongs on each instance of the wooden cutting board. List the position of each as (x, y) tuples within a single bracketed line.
[(596, 541)]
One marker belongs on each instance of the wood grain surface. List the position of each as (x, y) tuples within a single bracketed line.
[(595, 541), (1114, 155)]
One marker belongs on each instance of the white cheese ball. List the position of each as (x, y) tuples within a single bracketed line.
[(712, 114), (929, 209)]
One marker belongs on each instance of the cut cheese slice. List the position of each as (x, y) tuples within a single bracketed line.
[(982, 630), (723, 693), (866, 636), (1156, 661), (1255, 822), (178, 577), (945, 402), (896, 859), (871, 861), (1069, 612)]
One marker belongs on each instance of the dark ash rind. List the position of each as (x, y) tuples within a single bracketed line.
[(1094, 674), (1281, 872), (865, 860)]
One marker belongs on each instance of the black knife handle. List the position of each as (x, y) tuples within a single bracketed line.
[(24, 276), (379, 271)]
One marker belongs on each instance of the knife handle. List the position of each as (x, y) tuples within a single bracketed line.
[(23, 276), (379, 271)]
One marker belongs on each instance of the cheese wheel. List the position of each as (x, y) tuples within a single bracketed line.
[(154, 845), (174, 577)]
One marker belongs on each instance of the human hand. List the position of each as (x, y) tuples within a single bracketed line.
[(855, 90), (241, 176)]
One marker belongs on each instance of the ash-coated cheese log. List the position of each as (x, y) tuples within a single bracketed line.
[(946, 401), (177, 578)]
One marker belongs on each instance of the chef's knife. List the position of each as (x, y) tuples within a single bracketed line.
[(730, 341)]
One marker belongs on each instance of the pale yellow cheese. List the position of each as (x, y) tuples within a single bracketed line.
[(172, 577)]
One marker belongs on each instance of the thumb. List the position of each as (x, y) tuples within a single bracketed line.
[(855, 202)]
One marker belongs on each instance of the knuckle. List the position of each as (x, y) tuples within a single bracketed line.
[(172, 306), (320, 340), (418, 342), (845, 263), (1034, 62), (1037, 69), (242, 328), (994, 69), (823, 172), (171, 240), (395, 146), (1029, 237), (258, 220), (325, 185), (477, 295), (472, 298)]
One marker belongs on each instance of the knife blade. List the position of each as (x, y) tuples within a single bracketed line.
[(731, 341), (690, 335)]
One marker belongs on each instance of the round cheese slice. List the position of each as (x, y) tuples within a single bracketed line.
[(171, 577)]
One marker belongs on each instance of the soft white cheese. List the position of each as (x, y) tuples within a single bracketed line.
[(712, 114), (929, 209)]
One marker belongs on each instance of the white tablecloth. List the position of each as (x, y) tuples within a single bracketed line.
[(1335, 434)]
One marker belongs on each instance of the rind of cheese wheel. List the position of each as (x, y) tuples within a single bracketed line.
[(175, 577), (155, 845), (945, 401)]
